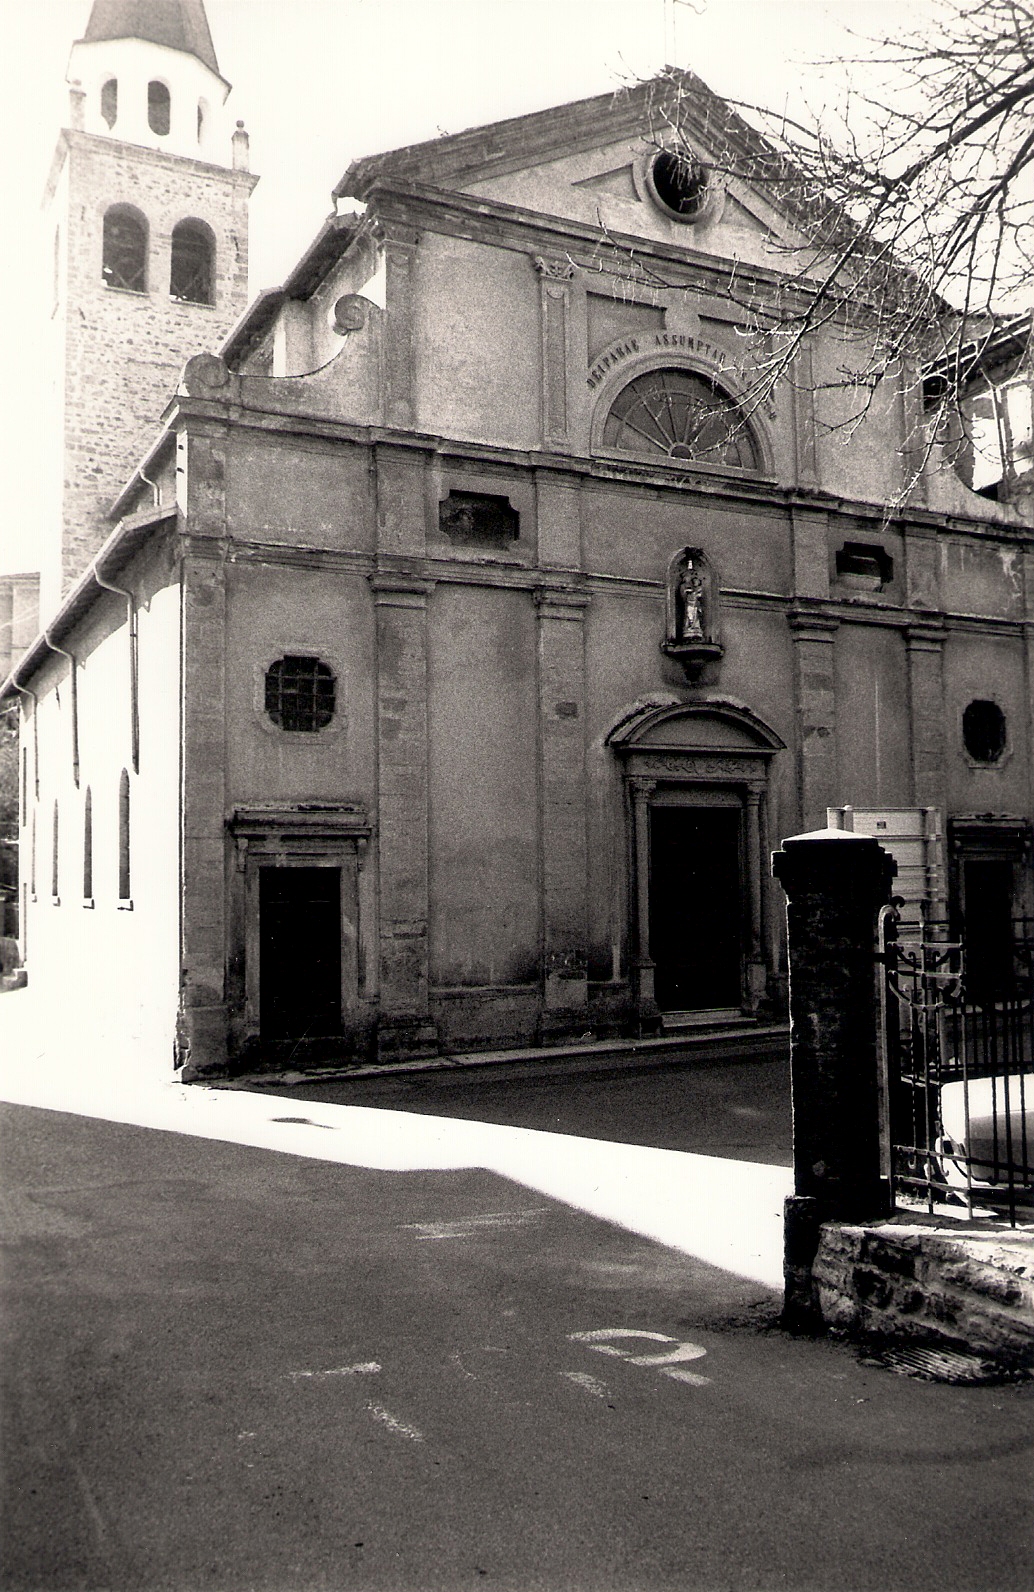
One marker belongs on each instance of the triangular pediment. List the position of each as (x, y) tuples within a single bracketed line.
[(584, 162), (619, 183)]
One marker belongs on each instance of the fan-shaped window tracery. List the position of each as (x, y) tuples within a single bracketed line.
[(678, 414)]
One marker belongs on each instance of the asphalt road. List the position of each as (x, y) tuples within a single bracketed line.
[(229, 1368), (736, 1109)]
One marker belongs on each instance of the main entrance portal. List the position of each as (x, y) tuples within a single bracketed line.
[(701, 918), (696, 907)]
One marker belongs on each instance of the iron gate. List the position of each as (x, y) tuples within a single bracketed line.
[(958, 1095)]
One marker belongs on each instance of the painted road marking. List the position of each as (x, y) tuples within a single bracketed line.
[(365, 1368), (467, 1226), (393, 1423), (668, 1362), (591, 1384)]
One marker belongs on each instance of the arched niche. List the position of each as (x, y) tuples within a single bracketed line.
[(696, 778)]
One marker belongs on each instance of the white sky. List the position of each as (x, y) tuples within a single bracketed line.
[(319, 82)]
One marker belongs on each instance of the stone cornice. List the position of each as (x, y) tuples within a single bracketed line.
[(636, 473), (535, 233), (74, 138)]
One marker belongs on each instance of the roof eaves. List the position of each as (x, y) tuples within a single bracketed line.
[(128, 537)]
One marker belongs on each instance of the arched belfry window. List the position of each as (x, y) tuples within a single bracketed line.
[(193, 259), (109, 101), (678, 414), (159, 108), (125, 249)]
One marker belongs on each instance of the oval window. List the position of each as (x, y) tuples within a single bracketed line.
[(983, 731)]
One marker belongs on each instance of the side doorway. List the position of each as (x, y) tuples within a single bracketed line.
[(296, 958), (299, 953), (992, 886)]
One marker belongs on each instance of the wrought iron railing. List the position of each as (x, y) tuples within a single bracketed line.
[(959, 1068)]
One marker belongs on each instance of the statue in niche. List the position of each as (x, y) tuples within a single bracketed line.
[(691, 630), (691, 604)]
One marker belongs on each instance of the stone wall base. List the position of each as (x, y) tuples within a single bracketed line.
[(406, 1038), (967, 1291)]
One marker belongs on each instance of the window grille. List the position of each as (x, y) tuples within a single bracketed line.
[(125, 250), (191, 276), (300, 694)]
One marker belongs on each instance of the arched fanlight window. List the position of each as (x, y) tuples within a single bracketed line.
[(193, 259), (159, 108), (88, 846), (125, 249), (109, 101), (677, 414), (124, 891)]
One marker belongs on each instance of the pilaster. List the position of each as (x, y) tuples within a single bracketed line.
[(564, 842), (810, 553), (924, 642), (559, 520), (555, 277), (400, 244), (202, 1026), (643, 964), (814, 635), (402, 818), (805, 431)]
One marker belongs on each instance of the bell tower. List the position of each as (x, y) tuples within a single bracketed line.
[(147, 216)]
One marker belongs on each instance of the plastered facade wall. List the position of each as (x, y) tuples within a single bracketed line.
[(98, 964), (313, 524)]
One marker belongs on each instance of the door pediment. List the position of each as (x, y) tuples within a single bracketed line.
[(714, 727)]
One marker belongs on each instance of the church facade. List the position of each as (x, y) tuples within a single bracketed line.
[(463, 643)]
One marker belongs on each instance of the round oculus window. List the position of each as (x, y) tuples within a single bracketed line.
[(682, 186)]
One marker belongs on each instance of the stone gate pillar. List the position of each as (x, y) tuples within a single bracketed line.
[(835, 884)]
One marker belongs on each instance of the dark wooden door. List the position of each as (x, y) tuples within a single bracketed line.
[(696, 907), (988, 888), (299, 952)]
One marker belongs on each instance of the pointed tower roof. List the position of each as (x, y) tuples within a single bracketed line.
[(178, 24)]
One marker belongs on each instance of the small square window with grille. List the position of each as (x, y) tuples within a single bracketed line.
[(300, 694)]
